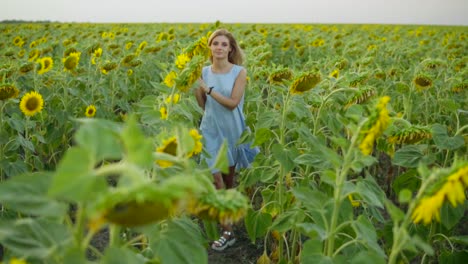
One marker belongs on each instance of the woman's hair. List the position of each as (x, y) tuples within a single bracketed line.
[(236, 55)]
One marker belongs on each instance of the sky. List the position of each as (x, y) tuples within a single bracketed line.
[(424, 12)]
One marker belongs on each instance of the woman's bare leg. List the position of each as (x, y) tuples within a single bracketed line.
[(229, 178)]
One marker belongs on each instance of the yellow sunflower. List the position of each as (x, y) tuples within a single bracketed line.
[(46, 65), (169, 147), (163, 112), (71, 61), (198, 145), (182, 60), (33, 54), (90, 111), (31, 103), (170, 78)]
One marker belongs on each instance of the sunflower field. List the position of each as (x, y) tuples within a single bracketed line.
[(362, 128)]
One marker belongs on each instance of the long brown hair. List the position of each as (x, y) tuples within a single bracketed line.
[(236, 55)]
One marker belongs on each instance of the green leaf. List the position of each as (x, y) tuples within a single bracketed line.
[(368, 257), (370, 192), (460, 239), (410, 156), (28, 194), (366, 231), (285, 221), (37, 238), (443, 141), (395, 213), (262, 135), (179, 241), (257, 224), (408, 180), (312, 253), (100, 138), (74, 178), (450, 216), (138, 148), (114, 255), (418, 242), (404, 196), (457, 257), (222, 162), (284, 157)]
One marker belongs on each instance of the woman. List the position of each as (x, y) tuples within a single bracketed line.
[(221, 95)]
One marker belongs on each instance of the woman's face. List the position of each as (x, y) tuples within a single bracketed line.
[(220, 47)]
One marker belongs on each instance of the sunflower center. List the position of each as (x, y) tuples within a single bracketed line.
[(71, 63), (32, 104), (90, 111), (171, 148)]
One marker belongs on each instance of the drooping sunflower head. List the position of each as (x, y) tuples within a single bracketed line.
[(127, 60), (31, 103), (108, 66), (305, 82), (8, 91), (90, 111), (460, 87), (27, 67), (199, 47), (422, 82), (46, 65), (71, 62), (18, 41), (361, 95), (169, 146), (281, 75), (190, 74)]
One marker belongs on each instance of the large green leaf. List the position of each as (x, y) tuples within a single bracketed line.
[(408, 180), (370, 192), (284, 157), (368, 257), (312, 253), (222, 162), (450, 216), (179, 241), (28, 194), (257, 224), (37, 238), (410, 156), (138, 148), (114, 255), (74, 179), (365, 230), (100, 138), (443, 141)]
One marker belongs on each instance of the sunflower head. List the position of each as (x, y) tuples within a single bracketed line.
[(71, 62), (108, 66), (127, 60), (31, 103), (170, 78), (422, 82), (33, 54), (90, 111), (169, 146), (460, 87), (182, 60), (27, 67), (198, 144), (281, 75), (305, 82), (190, 74), (8, 91), (46, 65)]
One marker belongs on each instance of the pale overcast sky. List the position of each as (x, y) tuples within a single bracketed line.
[(436, 12)]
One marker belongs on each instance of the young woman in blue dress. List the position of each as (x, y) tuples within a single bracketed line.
[(221, 95)]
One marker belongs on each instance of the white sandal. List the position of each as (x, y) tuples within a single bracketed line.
[(223, 242)]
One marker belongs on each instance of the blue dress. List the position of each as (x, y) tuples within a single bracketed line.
[(220, 123)]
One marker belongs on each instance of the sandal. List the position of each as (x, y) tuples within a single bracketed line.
[(223, 242)]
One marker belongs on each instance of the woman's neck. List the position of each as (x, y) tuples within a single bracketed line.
[(221, 66)]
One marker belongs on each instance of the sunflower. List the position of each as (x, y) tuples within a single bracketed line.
[(170, 78), (190, 74), (128, 45), (31, 103), (142, 46), (27, 67), (163, 112), (18, 41), (90, 111), (335, 73), (33, 44), (422, 82), (8, 91), (33, 54), (375, 126), (108, 66), (281, 75), (71, 62), (129, 72), (198, 145), (127, 60), (182, 60), (173, 99), (46, 64), (305, 82), (169, 147)]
